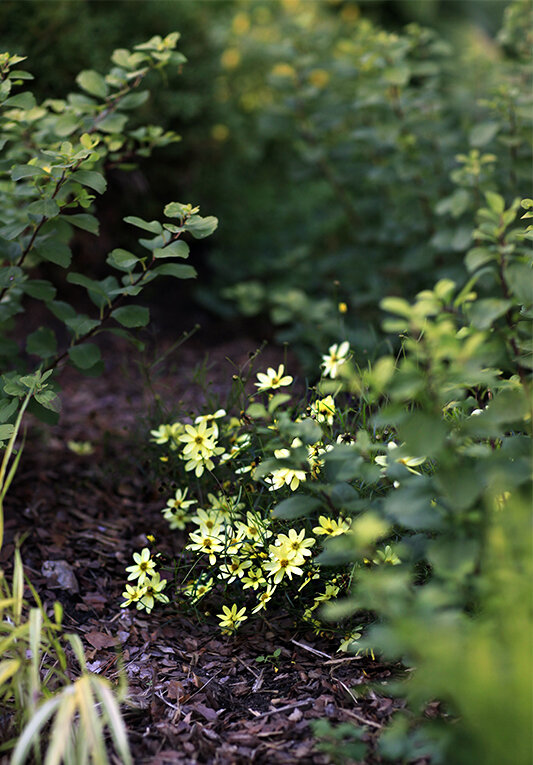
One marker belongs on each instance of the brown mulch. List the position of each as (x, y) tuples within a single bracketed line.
[(194, 695)]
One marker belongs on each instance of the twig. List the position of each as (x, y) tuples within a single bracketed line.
[(362, 720), (259, 681), (281, 709), (344, 658), (349, 712), (204, 685), (311, 650)]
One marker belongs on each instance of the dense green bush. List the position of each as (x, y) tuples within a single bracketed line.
[(369, 151), (318, 97), (416, 473)]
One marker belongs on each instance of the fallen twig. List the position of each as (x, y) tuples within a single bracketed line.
[(296, 704), (311, 649)]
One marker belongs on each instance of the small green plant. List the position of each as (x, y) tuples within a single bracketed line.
[(270, 658)]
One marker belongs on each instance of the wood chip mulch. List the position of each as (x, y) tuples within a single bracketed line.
[(194, 695)]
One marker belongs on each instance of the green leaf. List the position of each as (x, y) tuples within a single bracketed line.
[(519, 277), (26, 171), (424, 435), (477, 257), (90, 284), (40, 289), (178, 270), (113, 123), (90, 178), (42, 343), (495, 202), (134, 100), (66, 124), (178, 249), (277, 400), (48, 208), (49, 400), (132, 316), (61, 310), (84, 221), (55, 251), (296, 506), (201, 227), (13, 230), (84, 356), (257, 411), (93, 83), (24, 100), (81, 324), (122, 260), (153, 226), (484, 313), (6, 431), (483, 133), (8, 409)]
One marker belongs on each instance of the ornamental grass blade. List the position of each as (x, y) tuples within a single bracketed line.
[(113, 718), (31, 733), (90, 721), (62, 728), (77, 647), (18, 587), (8, 668)]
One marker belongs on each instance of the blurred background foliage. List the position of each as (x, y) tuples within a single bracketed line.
[(343, 146)]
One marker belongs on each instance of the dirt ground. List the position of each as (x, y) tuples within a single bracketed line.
[(194, 695)]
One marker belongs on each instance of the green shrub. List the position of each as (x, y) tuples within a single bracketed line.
[(55, 158), (416, 473), (56, 155), (370, 153)]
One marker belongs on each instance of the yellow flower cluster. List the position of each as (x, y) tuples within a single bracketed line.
[(239, 549)]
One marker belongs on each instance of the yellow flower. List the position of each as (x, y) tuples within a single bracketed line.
[(319, 78), (264, 598), (220, 133), (209, 419), (323, 409), (272, 379), (349, 644), (143, 568), (330, 527), (205, 543), (335, 358), (231, 618), (234, 569), (409, 462), (343, 308), (198, 589), (282, 562), (254, 578), (298, 543), (254, 528), (285, 477), (81, 448), (200, 441), (240, 23), (284, 70), (231, 58), (132, 594), (176, 511)]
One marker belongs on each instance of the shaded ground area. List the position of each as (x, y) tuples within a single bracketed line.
[(195, 697)]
